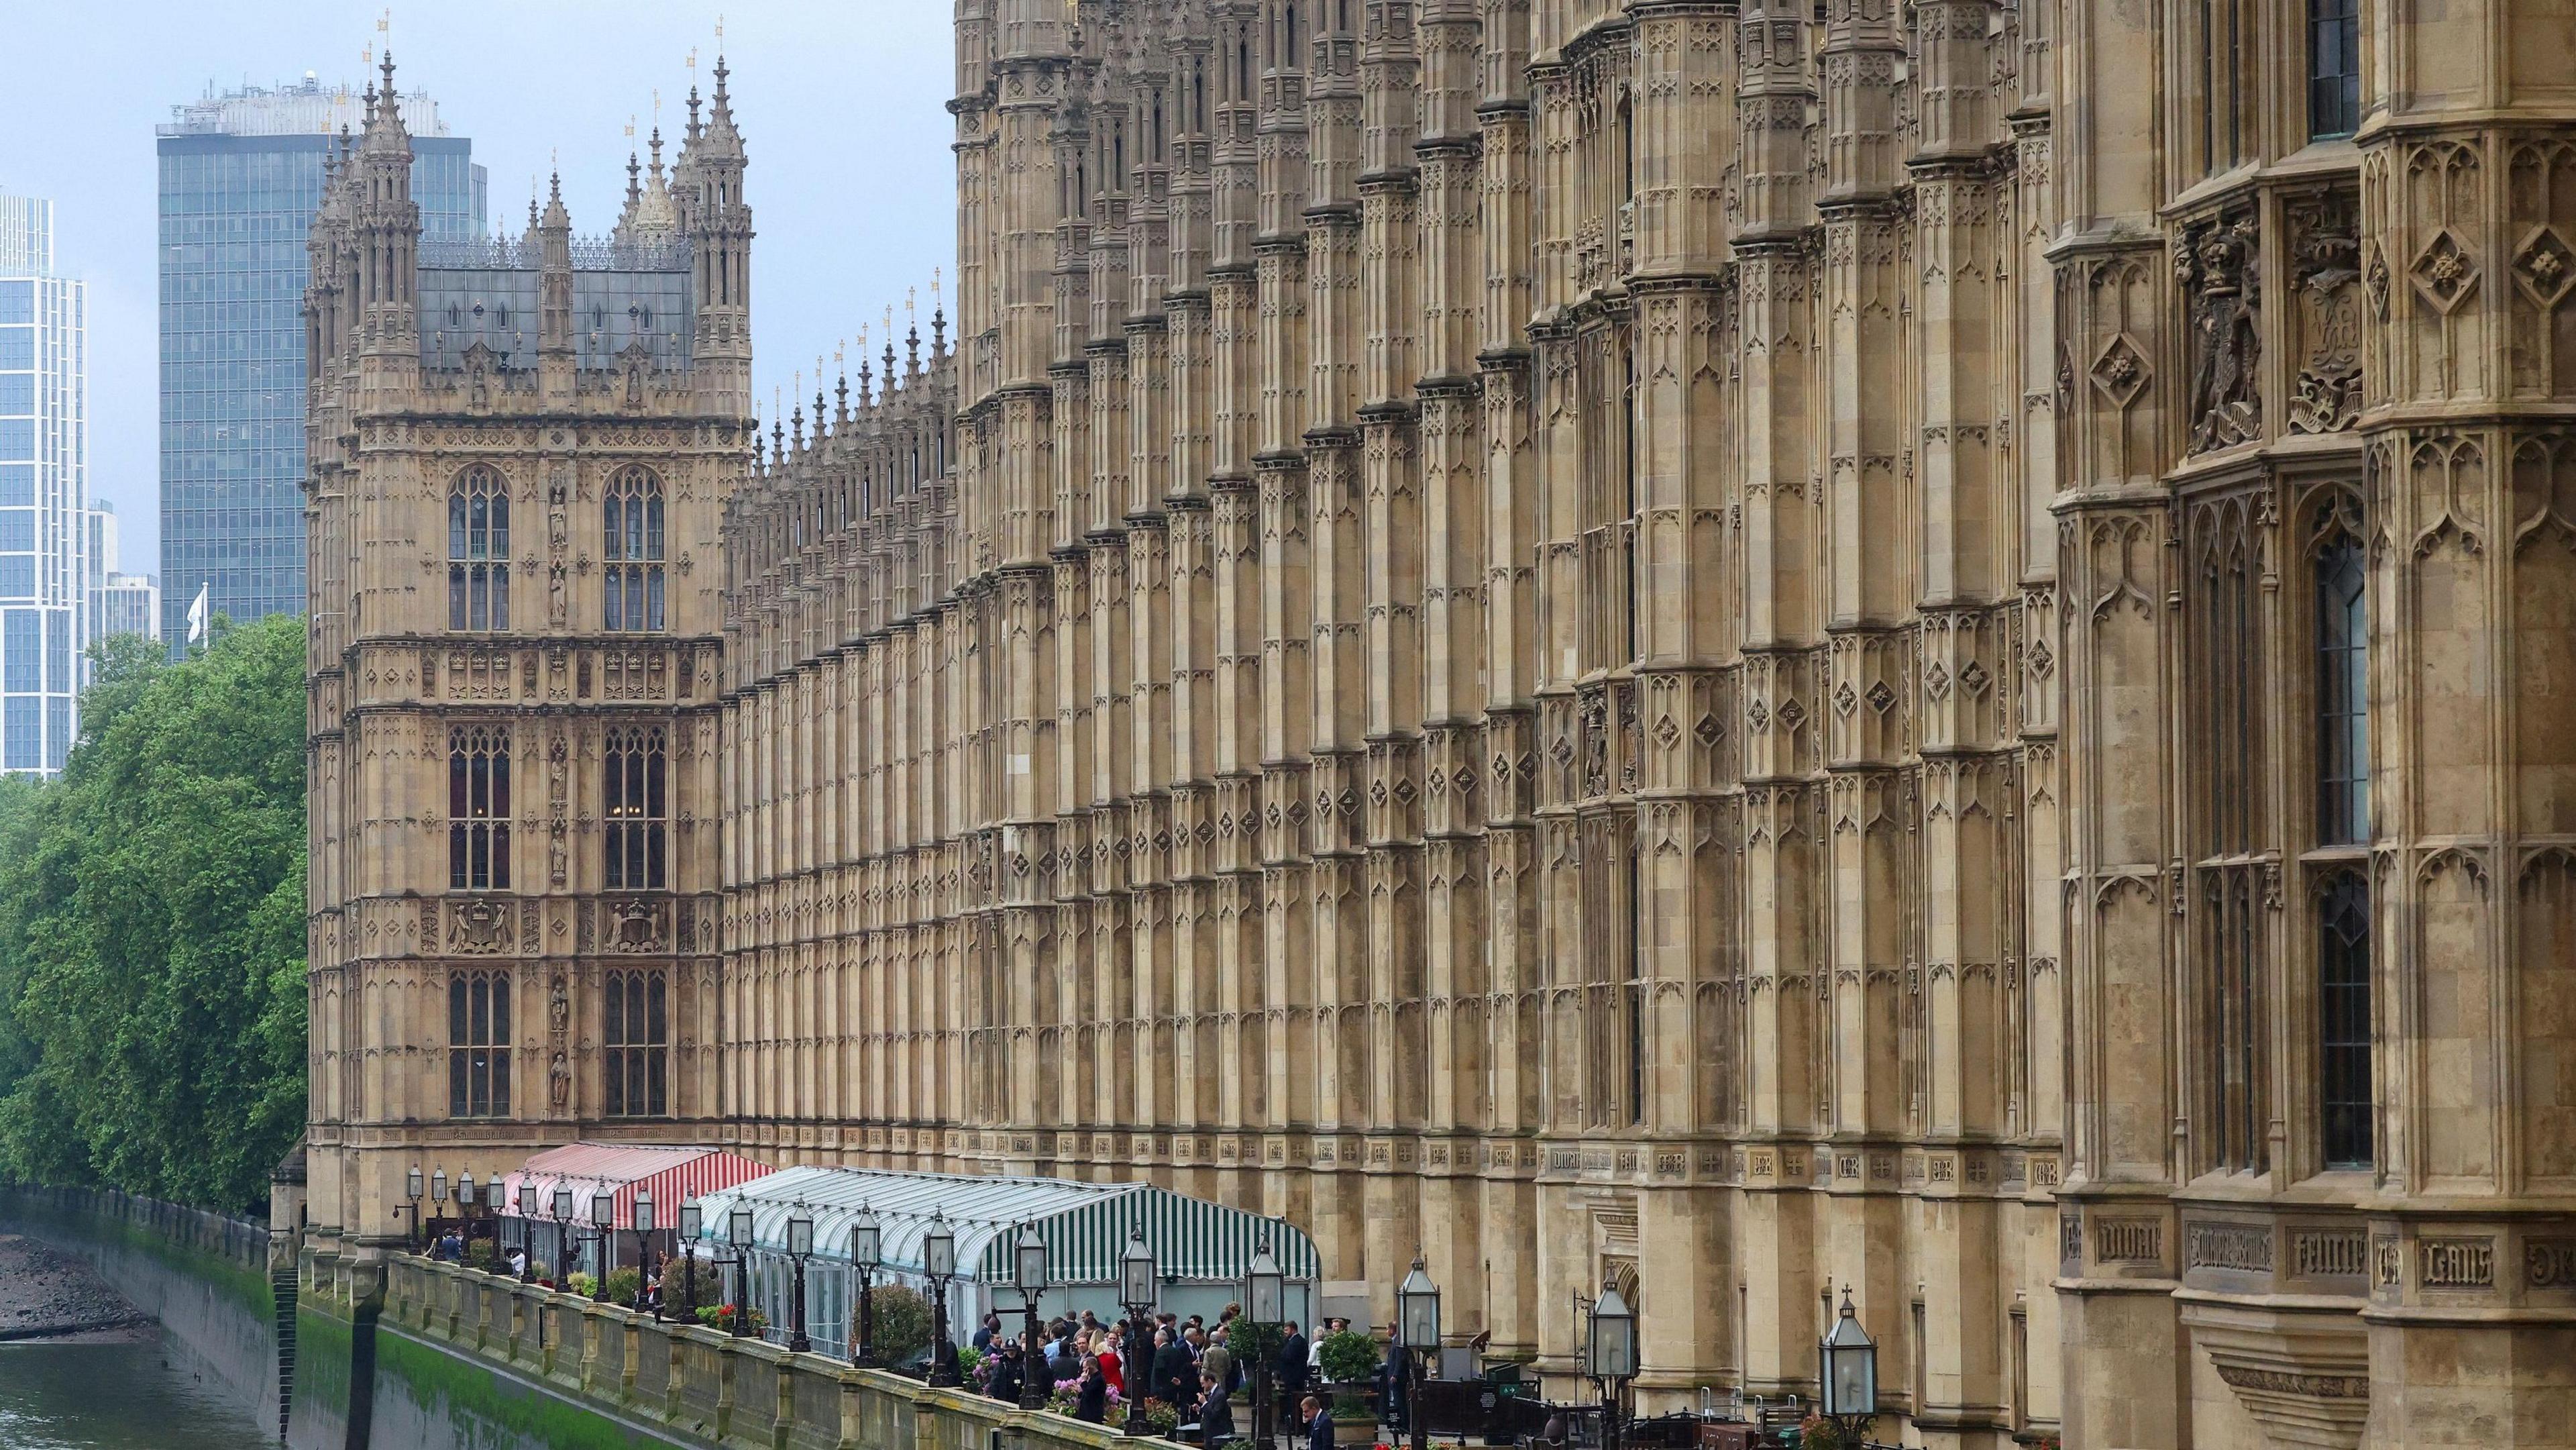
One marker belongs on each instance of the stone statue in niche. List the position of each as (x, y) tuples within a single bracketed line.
[(558, 1008), (2327, 273), (558, 858), (559, 1080), (558, 605), (2220, 278)]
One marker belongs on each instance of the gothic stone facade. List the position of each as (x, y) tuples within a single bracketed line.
[(1746, 650), (518, 454)]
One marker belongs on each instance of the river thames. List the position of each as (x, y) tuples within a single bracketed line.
[(134, 1394)]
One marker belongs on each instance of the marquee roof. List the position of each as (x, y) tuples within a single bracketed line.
[(674, 1174), (1085, 1225)]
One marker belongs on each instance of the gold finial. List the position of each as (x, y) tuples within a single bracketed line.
[(657, 105), (385, 22), (889, 320), (367, 56), (630, 127), (693, 60), (909, 293), (719, 27), (934, 286), (838, 348)]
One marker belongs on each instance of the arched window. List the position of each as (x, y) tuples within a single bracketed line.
[(635, 1025), (638, 799), (634, 572), (478, 809), (478, 1045), (2343, 684), (2343, 1009), (478, 551)]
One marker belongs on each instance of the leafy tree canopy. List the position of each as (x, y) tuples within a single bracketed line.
[(152, 999)]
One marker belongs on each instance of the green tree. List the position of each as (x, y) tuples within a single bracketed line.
[(152, 999)]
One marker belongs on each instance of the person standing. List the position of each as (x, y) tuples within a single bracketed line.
[(1292, 1365), (1218, 1360), (1176, 1375), (1113, 1365), (1092, 1402), (1216, 1412), (1319, 1426)]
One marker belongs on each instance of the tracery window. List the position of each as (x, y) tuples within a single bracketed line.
[(2343, 687), (478, 809), (634, 551), (635, 1027), (638, 771), (478, 551), (478, 1045), (2233, 839), (2334, 68), (2343, 1008)]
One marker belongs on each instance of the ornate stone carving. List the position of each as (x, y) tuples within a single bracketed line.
[(478, 927), (2326, 271), (2218, 267)]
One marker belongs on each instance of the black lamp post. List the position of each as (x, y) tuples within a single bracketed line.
[(1136, 1295), (603, 1232), (1029, 1275), (643, 1219), (691, 1220), (563, 1236), (438, 1195), (464, 1200), (1417, 1328), (1847, 1375), (800, 1244), (738, 1234), (867, 1252), (1265, 1292), (526, 1209), (411, 1187), (939, 1264), (1610, 1354)]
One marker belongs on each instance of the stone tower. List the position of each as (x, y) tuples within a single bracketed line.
[(519, 452)]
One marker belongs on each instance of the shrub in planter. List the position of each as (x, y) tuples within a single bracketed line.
[(720, 1316), (903, 1322), (482, 1254), (582, 1284), (1818, 1433), (624, 1285), (1350, 1358)]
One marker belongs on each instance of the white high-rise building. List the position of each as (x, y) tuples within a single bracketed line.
[(44, 493), (119, 603)]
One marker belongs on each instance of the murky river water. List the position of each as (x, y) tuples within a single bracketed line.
[(128, 1396)]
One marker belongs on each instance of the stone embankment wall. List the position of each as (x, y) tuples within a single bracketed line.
[(202, 1275), (462, 1357)]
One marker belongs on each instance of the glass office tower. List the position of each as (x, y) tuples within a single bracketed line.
[(44, 494), (241, 176)]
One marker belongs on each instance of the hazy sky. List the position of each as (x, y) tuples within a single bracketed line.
[(841, 104)]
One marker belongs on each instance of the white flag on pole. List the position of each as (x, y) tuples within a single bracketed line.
[(197, 616)]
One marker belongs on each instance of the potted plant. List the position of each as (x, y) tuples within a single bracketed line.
[(1350, 1361)]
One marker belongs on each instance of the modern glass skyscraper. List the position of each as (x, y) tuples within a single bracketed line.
[(241, 176), (44, 493)]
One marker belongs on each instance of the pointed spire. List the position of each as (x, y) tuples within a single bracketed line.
[(693, 116), (656, 147), (799, 416), (634, 180), (556, 215), (841, 409)]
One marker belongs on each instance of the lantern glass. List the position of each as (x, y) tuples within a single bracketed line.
[(1136, 1272), (1848, 1375), (527, 1199), (465, 1191), (412, 1185), (1029, 1261), (691, 1219), (1263, 1288), (867, 1241), (563, 1205), (644, 1210), (603, 1209), (800, 1231), (1613, 1348), (738, 1226), (438, 1186), (939, 1249), (1418, 1310)]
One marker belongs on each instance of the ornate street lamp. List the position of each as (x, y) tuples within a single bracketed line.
[(738, 1234), (563, 1235), (1847, 1375), (411, 1188), (1029, 1275), (1610, 1356), (465, 1195), (1136, 1294), (939, 1264), (603, 1232), (691, 1220), (800, 1244), (867, 1254), (1417, 1328), (1265, 1294), (644, 1226), (528, 1233)]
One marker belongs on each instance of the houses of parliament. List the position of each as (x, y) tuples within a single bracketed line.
[(1753, 650)]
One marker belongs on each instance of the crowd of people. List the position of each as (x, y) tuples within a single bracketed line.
[(1189, 1366)]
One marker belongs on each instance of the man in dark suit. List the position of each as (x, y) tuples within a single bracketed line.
[(1292, 1365), (1319, 1426), (1176, 1373)]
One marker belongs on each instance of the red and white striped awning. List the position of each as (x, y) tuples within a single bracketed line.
[(674, 1174)]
